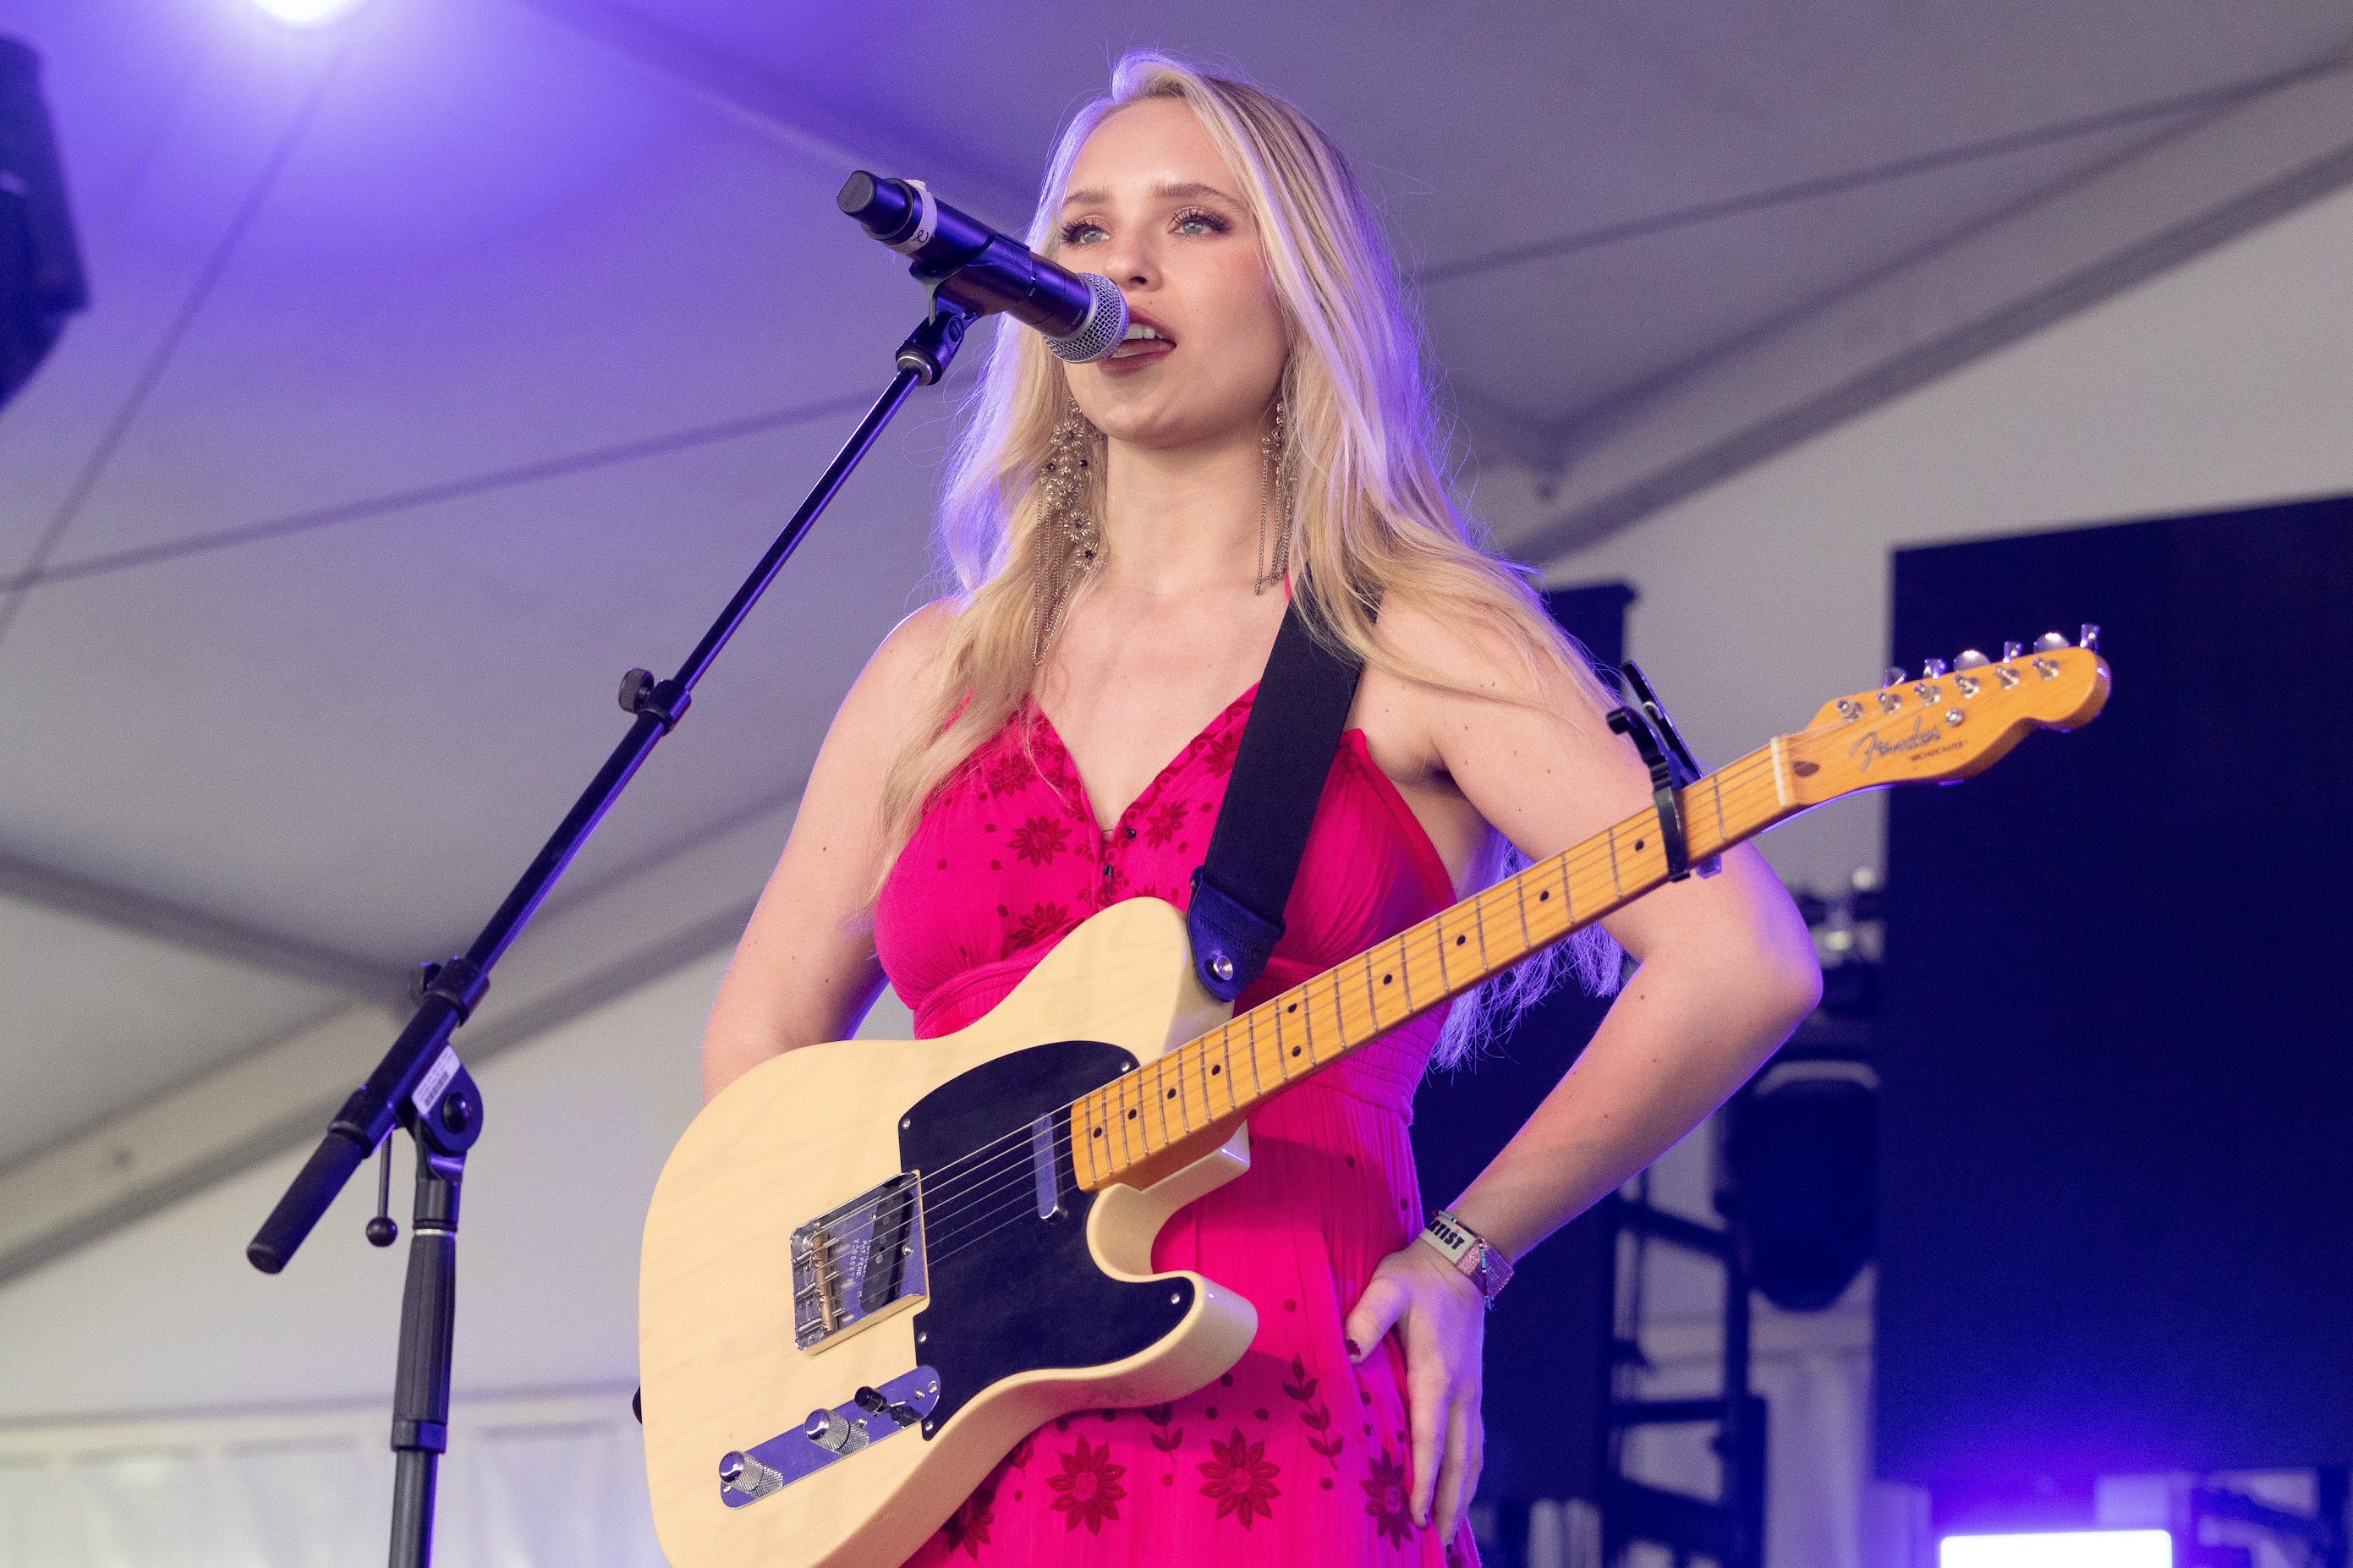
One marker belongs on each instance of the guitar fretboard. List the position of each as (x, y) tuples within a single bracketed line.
[(1235, 1067)]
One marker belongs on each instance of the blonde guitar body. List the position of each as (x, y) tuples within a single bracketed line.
[(816, 1128)]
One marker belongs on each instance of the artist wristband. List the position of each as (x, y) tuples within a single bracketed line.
[(1483, 1264)]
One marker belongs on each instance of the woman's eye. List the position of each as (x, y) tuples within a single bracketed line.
[(1201, 223), (1081, 233)]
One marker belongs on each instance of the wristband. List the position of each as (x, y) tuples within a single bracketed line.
[(1485, 1268)]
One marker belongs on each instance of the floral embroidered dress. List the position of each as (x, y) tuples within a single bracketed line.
[(1294, 1457)]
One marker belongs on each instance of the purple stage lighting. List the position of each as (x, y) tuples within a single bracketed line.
[(306, 12), (2071, 1549)]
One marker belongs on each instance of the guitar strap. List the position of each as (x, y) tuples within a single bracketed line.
[(1235, 917)]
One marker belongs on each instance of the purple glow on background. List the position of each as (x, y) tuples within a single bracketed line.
[(306, 12), (2072, 1549)]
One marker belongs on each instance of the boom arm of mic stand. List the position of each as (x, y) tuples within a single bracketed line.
[(455, 987)]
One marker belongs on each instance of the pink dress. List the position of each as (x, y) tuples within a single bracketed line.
[(1294, 1457)]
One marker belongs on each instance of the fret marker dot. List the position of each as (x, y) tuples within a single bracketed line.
[(1130, 1116), (1096, 1133), (1294, 1050), (1172, 1094), (1216, 1070), (1387, 978), (1461, 940), (1637, 846), (1544, 897), (1292, 1008)]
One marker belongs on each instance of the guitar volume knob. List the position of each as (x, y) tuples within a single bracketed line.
[(740, 1472), (828, 1430)]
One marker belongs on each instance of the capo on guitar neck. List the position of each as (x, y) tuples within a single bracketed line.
[(1671, 767)]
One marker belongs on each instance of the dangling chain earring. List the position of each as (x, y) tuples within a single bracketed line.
[(1068, 540), (1276, 474)]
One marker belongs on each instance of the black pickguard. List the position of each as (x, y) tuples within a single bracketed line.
[(1010, 1293)]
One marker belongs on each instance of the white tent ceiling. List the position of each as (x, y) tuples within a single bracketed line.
[(447, 362)]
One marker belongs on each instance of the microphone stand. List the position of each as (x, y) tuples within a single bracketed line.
[(422, 1086)]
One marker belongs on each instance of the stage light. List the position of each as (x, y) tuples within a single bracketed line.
[(306, 12), (2072, 1549)]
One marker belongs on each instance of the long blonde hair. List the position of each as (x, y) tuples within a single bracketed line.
[(1374, 520)]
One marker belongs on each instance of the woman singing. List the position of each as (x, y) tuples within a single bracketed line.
[(1055, 736)]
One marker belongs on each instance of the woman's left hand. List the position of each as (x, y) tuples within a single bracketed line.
[(1441, 1324)]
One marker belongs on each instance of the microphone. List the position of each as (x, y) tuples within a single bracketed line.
[(1082, 315)]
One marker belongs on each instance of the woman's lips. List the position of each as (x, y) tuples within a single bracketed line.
[(1130, 357)]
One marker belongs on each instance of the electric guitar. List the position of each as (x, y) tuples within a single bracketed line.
[(871, 1268)]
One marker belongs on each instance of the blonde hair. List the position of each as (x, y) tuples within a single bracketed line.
[(1374, 521)]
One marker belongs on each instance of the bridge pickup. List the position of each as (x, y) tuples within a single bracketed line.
[(855, 1262)]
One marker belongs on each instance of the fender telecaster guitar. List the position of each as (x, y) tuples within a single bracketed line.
[(870, 1269)]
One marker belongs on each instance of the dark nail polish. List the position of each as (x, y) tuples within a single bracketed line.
[(1353, 1352)]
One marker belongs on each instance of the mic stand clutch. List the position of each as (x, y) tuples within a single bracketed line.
[(421, 1085)]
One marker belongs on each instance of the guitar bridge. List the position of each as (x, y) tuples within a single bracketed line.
[(853, 1263)]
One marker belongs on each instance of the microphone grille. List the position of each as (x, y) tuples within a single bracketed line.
[(1105, 325)]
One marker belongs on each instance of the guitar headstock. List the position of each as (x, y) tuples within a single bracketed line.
[(1952, 722)]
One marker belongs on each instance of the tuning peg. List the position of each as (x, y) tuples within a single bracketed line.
[(1935, 668), (1895, 677), (2089, 641), (2050, 642), (2011, 651), (1970, 658)]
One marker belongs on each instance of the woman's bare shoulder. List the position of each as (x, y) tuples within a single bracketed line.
[(1475, 653), (892, 689)]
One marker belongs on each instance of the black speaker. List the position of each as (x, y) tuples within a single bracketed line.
[(1798, 1155), (41, 279)]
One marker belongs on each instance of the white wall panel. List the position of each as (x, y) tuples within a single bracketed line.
[(2227, 382)]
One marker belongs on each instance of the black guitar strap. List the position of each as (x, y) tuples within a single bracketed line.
[(1239, 891)]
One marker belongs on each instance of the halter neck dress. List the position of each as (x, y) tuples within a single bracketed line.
[(1295, 1457)]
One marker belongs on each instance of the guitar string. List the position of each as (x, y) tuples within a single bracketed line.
[(1753, 770), (1585, 858), (953, 1202), (966, 1240), (1738, 783), (1011, 1200)]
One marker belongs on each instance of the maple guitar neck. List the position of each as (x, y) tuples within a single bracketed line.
[(1225, 1073)]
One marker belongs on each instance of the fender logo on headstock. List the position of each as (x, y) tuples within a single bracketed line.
[(1869, 748)]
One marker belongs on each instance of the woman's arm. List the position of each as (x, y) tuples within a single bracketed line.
[(1727, 971), (806, 969)]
